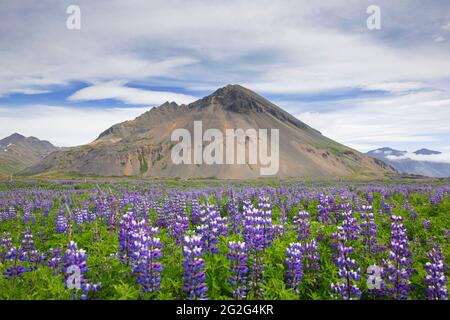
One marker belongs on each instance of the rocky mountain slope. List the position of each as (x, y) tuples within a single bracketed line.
[(18, 152), (142, 147)]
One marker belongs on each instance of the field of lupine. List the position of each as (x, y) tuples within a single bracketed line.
[(218, 240)]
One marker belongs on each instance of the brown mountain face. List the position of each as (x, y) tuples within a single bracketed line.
[(143, 146), (18, 152)]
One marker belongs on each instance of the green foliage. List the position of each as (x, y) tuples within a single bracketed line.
[(117, 281), (143, 164)]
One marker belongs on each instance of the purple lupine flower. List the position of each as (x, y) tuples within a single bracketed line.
[(148, 268), (15, 270), (311, 255), (210, 228), (55, 259), (426, 224), (324, 209), (302, 225), (436, 279), (255, 238), (27, 243), (283, 217), (253, 228), (74, 267), (412, 212), (178, 221), (265, 206), (194, 268), (348, 271), (28, 252), (233, 213), (385, 207), (238, 256), (127, 227), (5, 245), (90, 287), (310, 249), (436, 198), (294, 263), (179, 228), (369, 232), (397, 269), (79, 217), (350, 226), (35, 258), (195, 211), (74, 257), (278, 230), (62, 224), (162, 210), (26, 214), (11, 213)]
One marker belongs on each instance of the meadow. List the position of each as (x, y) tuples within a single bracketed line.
[(224, 240)]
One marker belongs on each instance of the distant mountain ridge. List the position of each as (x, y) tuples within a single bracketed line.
[(402, 162), (424, 151), (142, 147), (18, 152)]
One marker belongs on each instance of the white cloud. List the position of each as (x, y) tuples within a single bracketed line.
[(419, 118), (395, 87), (438, 38), (30, 91), (446, 26), (114, 90), (297, 47), (294, 47), (63, 126), (443, 157)]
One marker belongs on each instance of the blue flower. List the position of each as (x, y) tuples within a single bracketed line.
[(436, 279), (237, 254), (194, 268)]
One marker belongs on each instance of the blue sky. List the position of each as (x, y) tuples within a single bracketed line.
[(364, 88)]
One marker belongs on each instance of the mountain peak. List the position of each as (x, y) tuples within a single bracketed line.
[(168, 104), (235, 98), (19, 152), (15, 137), (425, 151), (144, 146), (232, 88), (238, 99), (234, 93)]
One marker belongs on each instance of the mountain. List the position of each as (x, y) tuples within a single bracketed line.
[(18, 152), (403, 162), (143, 146), (426, 152)]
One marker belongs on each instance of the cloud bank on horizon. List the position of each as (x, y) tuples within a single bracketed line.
[(364, 88), (443, 157)]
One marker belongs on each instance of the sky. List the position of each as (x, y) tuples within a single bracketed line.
[(319, 61)]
